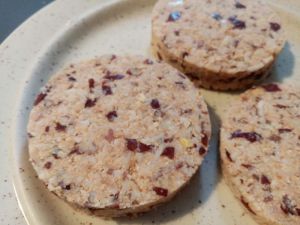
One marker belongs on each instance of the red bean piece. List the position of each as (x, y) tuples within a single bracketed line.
[(161, 191)]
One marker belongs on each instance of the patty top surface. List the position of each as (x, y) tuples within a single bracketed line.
[(117, 132), (222, 36), (260, 149)]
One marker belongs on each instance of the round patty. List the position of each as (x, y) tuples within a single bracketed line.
[(225, 44), (118, 134), (260, 152)]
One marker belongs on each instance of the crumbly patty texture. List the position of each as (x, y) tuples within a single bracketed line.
[(260, 152), (118, 133), (220, 41)]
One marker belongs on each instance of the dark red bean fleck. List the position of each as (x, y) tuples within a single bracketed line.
[(229, 156), (256, 177), (202, 151), (284, 130), (30, 135), (168, 140), (265, 180), (271, 87), (39, 98), (73, 79), (185, 54), (246, 204), (132, 144), (144, 148), (176, 32), (247, 166), (169, 152), (48, 165), (275, 26), (114, 77), (75, 150), (161, 191), (281, 106), (188, 111), (250, 136), (64, 186), (275, 138), (129, 72), (179, 165), (268, 198), (90, 103), (155, 104), (110, 172), (237, 24), (55, 156), (173, 16), (148, 62), (60, 127), (106, 90), (111, 116), (238, 5), (91, 83), (135, 146), (284, 209), (47, 128), (287, 206), (204, 139)]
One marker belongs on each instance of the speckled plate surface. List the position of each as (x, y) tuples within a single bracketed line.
[(70, 30)]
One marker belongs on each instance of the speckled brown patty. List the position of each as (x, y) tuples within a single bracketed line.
[(118, 134), (260, 152), (227, 44)]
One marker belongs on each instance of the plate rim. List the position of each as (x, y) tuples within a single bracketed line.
[(14, 118)]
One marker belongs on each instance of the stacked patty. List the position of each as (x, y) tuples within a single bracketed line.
[(225, 45), (260, 142), (117, 134)]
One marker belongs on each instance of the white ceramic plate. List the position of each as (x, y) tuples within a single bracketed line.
[(70, 30)]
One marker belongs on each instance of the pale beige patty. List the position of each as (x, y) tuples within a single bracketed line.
[(260, 152), (118, 134), (226, 44)]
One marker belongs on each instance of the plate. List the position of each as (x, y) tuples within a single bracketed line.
[(70, 31)]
